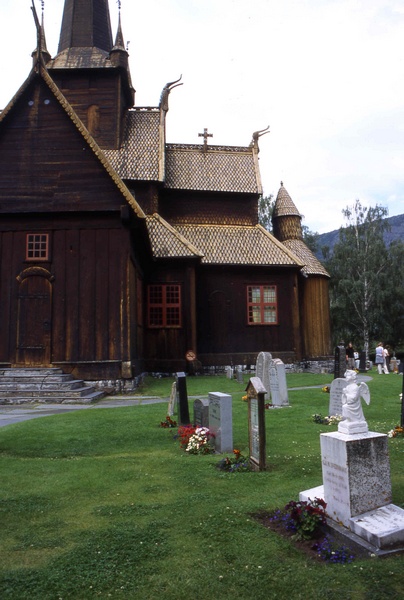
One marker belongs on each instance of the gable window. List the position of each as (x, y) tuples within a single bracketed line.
[(37, 246), (164, 305), (262, 305)]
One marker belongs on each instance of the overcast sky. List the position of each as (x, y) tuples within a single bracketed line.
[(327, 76)]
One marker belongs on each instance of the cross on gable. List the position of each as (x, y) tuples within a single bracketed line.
[(205, 136)]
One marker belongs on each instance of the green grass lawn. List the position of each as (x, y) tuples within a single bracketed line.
[(103, 504)]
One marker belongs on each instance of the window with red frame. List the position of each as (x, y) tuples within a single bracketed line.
[(262, 305), (164, 305), (37, 246)]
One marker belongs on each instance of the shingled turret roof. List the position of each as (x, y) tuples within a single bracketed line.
[(284, 205)]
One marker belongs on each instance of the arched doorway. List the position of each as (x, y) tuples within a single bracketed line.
[(34, 317)]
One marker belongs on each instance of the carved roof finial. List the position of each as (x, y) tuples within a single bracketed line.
[(163, 105)]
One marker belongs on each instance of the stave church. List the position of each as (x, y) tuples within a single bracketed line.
[(123, 253)]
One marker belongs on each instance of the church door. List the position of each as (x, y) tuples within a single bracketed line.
[(34, 321)]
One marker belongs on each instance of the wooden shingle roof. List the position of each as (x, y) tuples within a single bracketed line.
[(139, 156), (284, 205), (217, 168), (238, 245), (312, 266), (166, 241)]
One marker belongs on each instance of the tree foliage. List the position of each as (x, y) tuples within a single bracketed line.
[(265, 210), (365, 289)]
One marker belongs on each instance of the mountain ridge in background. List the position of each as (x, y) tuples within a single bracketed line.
[(332, 237)]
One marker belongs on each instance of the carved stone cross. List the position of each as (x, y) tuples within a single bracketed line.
[(205, 136)]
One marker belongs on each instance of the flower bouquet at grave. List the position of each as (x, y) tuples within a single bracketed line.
[(168, 423), (303, 519), (234, 464), (330, 420), (396, 432), (200, 442), (326, 389)]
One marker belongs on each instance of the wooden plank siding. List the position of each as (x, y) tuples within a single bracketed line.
[(46, 163), (316, 317), (222, 315)]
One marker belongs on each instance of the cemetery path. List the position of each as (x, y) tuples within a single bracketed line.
[(12, 413)]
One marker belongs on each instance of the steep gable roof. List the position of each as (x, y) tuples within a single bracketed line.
[(40, 71)]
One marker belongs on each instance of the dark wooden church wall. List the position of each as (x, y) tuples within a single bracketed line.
[(207, 207), (165, 348), (45, 162), (95, 97), (223, 333), (90, 319)]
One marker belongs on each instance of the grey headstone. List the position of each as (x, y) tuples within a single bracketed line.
[(221, 421), (277, 380), (201, 412), (262, 371), (336, 389)]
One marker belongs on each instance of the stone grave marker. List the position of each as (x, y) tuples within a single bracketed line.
[(221, 421), (336, 389), (256, 423), (229, 372), (262, 371), (277, 382), (172, 403), (339, 361), (183, 409), (201, 412)]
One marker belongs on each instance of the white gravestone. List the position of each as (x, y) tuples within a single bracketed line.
[(277, 382), (336, 389), (221, 421), (356, 474), (262, 371)]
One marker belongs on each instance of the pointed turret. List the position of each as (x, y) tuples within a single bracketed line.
[(286, 219)]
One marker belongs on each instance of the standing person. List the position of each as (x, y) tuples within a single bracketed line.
[(386, 363), (379, 360), (350, 357)]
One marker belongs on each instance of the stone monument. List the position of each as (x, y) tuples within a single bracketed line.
[(336, 388), (262, 371), (277, 383), (356, 476), (221, 421)]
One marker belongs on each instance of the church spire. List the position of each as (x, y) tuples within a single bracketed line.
[(86, 24)]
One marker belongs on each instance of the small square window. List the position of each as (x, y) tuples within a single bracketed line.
[(37, 246)]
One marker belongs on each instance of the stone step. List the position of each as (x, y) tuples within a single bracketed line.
[(47, 385), (87, 399), (30, 371), (19, 386)]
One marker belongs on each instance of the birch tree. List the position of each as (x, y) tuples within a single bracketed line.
[(359, 271)]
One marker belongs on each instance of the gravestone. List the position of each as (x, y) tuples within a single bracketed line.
[(339, 361), (229, 372), (262, 371), (356, 476), (201, 413), (337, 387), (256, 423), (362, 362), (239, 374), (221, 421), (172, 403), (277, 382), (183, 408)]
